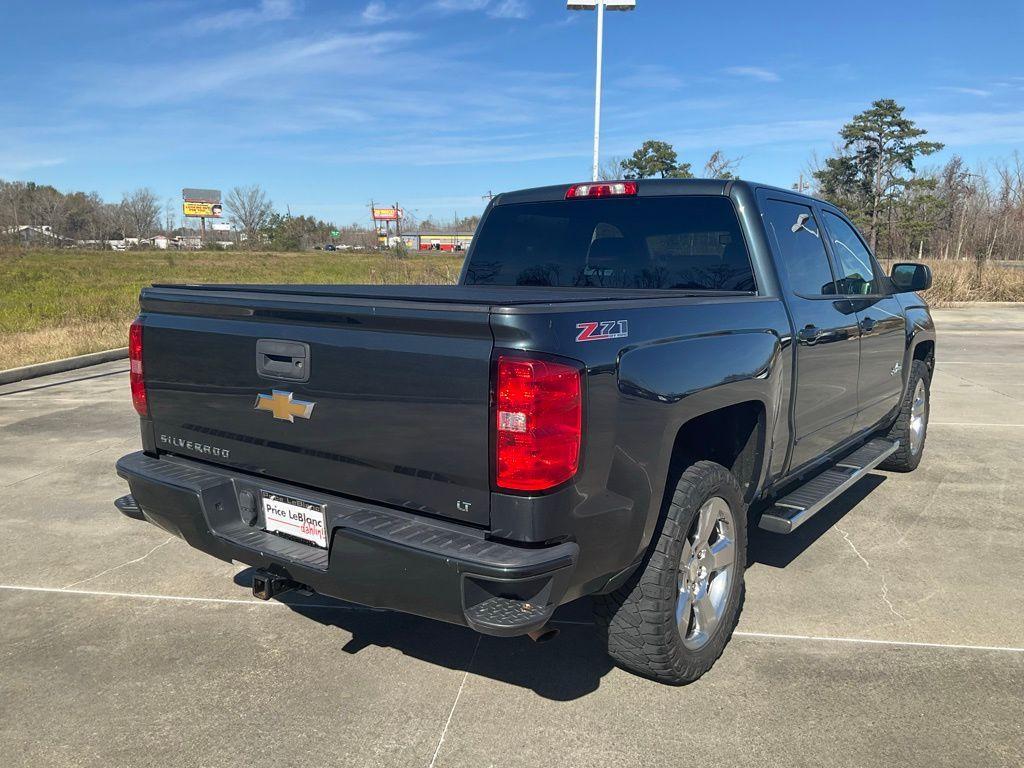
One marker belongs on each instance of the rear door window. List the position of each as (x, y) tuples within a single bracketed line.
[(667, 243)]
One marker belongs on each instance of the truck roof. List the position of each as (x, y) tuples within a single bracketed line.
[(646, 188)]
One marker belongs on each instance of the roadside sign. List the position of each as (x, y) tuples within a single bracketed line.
[(194, 195), (387, 214), (202, 210), (335, 233)]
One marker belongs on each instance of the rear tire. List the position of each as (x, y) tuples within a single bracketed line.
[(911, 427), (673, 618)]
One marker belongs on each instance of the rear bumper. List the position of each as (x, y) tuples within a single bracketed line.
[(376, 556)]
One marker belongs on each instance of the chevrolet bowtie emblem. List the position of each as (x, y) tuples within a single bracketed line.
[(283, 406)]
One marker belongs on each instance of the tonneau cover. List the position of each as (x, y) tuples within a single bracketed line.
[(452, 294)]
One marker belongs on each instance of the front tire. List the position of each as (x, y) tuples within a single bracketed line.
[(911, 427), (673, 618)]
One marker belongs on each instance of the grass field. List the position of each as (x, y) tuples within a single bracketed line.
[(56, 304), (956, 281)]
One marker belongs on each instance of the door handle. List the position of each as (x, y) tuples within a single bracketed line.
[(867, 325), (809, 334), (277, 359)]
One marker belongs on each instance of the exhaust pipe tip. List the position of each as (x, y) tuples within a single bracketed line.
[(543, 635)]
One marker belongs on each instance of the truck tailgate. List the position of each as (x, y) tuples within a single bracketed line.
[(399, 392)]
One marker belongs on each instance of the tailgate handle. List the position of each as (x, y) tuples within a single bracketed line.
[(288, 360)]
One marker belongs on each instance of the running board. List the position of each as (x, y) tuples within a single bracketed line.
[(802, 504)]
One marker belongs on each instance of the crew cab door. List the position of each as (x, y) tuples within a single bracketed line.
[(880, 317), (826, 337)]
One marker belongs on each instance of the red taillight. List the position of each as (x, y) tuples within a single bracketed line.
[(538, 418), (602, 189), (138, 383)]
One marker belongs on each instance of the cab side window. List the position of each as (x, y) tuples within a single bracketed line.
[(856, 268), (794, 233)]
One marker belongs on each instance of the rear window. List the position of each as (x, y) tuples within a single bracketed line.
[(667, 243)]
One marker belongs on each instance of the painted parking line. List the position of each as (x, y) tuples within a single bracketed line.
[(330, 607), (869, 641), (969, 424)]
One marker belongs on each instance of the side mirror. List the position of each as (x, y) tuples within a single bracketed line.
[(801, 223), (911, 277)]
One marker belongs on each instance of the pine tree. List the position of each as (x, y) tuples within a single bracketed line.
[(880, 144), (655, 158)]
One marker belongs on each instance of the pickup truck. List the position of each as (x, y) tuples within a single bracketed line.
[(626, 375)]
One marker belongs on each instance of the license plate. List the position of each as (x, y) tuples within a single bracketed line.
[(295, 517)]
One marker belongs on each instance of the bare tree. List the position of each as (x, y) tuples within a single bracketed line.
[(115, 221), (170, 216), (49, 208), (719, 166), (141, 212), (610, 169), (251, 210)]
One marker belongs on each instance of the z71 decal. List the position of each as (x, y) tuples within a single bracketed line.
[(601, 330)]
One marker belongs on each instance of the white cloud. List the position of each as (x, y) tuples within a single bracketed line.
[(458, 6), (966, 91), (499, 9), (509, 9), (341, 54), (16, 163), (973, 128), (743, 135), (649, 77), (376, 13), (237, 18), (755, 73)]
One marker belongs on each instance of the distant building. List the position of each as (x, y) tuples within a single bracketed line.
[(438, 241), (36, 234)]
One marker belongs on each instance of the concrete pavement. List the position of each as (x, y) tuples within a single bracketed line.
[(889, 630)]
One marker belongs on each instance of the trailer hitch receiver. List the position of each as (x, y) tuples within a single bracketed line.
[(266, 585)]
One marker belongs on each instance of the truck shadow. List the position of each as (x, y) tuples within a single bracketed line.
[(566, 668), (778, 551)]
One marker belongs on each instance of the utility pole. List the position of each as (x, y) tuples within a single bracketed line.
[(597, 89), (599, 6)]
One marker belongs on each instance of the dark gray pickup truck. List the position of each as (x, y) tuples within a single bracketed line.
[(625, 374)]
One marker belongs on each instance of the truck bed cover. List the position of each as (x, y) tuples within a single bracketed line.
[(484, 296)]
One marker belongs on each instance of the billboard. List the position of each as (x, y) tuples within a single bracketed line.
[(193, 195), (202, 210), (387, 214)]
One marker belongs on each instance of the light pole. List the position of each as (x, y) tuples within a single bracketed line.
[(599, 5)]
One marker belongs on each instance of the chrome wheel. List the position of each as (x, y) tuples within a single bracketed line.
[(918, 417), (705, 573)]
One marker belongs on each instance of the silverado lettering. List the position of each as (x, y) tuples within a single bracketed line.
[(189, 445)]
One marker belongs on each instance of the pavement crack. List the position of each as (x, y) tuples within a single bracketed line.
[(64, 465), (983, 386), (885, 586), (444, 731), (122, 565)]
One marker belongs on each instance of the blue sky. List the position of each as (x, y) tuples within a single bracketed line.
[(328, 104)]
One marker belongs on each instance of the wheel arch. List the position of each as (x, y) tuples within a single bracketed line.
[(718, 397), (732, 435)]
